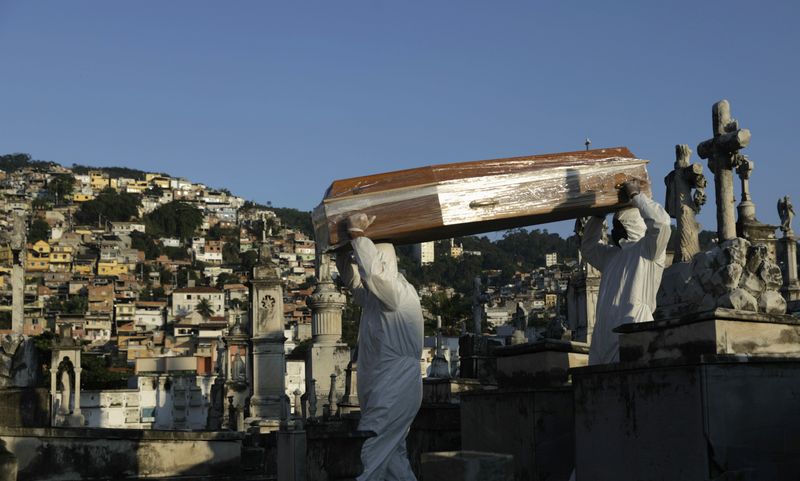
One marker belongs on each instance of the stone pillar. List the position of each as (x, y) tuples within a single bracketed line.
[(18, 274), (18, 297), (328, 354), (239, 375), (76, 411), (791, 285), (269, 362), (582, 302)]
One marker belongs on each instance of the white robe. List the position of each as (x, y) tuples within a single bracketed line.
[(631, 274), (389, 349)]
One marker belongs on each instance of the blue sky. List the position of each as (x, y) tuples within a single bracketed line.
[(274, 100)]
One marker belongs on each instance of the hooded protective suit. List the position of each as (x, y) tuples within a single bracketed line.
[(631, 273), (389, 349)]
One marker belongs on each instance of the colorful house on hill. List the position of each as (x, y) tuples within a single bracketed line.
[(38, 257), (112, 269)]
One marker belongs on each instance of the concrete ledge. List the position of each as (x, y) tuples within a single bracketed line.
[(84, 453), (467, 466), (719, 313), (554, 345), (132, 434), (540, 363), (717, 332)]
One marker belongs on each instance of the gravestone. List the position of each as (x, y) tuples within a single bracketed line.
[(269, 363)]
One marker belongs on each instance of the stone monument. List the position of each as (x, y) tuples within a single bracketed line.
[(65, 380), (677, 405), (269, 362), (721, 151), (584, 286), (740, 273), (440, 367), (18, 242), (328, 354), (747, 225), (520, 322), (685, 196), (238, 372), (787, 248)]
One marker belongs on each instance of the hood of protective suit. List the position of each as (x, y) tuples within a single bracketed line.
[(387, 258), (631, 219)]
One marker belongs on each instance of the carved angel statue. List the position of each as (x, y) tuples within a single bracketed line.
[(786, 213)]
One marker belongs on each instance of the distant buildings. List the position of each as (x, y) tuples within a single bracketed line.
[(424, 253)]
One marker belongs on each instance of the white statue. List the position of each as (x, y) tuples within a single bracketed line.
[(64, 367)]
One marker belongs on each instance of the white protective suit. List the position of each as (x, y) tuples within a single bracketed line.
[(631, 273), (389, 350)]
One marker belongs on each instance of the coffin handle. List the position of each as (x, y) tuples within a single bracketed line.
[(476, 204)]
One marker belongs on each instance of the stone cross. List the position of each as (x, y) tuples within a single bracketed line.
[(720, 151), (682, 204)]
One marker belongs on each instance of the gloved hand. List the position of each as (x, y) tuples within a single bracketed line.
[(358, 223), (630, 189)]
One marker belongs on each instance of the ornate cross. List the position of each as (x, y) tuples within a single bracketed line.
[(721, 152)]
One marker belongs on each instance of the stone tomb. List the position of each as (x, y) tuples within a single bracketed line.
[(530, 415), (722, 418), (543, 363), (707, 396), (437, 425), (720, 331)]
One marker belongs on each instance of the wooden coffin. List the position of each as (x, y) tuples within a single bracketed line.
[(451, 200)]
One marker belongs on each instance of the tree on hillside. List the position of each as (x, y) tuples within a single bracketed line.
[(39, 230), (295, 219), (204, 309), (175, 219), (61, 187), (230, 252), (112, 171), (154, 191), (292, 218), (146, 243), (248, 260), (453, 310), (13, 162), (225, 278), (109, 205)]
